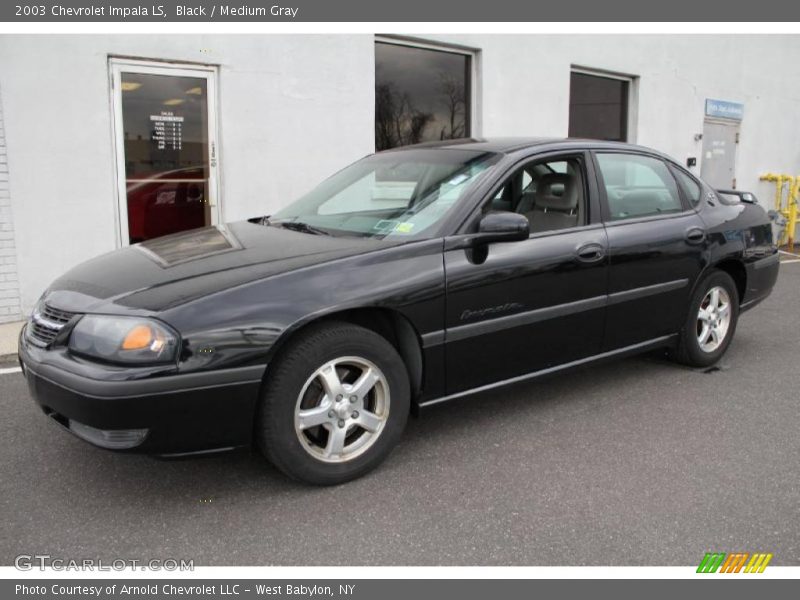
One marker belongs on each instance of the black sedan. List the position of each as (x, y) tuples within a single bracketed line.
[(412, 277)]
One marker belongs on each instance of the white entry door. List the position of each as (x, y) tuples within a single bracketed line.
[(165, 131)]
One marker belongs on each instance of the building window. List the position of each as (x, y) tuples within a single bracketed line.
[(598, 107), (421, 95)]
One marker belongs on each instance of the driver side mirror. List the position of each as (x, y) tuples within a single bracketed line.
[(503, 227)]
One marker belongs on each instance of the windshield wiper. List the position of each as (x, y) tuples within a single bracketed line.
[(303, 227)]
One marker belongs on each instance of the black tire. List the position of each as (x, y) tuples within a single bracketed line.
[(288, 375), (688, 350)]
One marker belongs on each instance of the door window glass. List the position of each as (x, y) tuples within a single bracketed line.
[(165, 136), (638, 186), (550, 193)]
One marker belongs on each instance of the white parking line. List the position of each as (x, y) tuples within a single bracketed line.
[(790, 261), (10, 370)]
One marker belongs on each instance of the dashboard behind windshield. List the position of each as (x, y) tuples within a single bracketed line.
[(401, 194)]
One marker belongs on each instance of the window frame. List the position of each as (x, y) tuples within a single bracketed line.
[(473, 83), (603, 195), (593, 209)]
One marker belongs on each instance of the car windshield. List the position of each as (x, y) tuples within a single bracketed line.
[(403, 194)]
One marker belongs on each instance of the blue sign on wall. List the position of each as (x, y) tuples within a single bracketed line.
[(724, 109)]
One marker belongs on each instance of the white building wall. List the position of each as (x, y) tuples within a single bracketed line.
[(295, 108), (292, 110), (9, 281)]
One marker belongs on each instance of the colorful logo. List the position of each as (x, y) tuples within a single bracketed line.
[(734, 562)]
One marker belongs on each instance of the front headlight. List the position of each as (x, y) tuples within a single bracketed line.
[(124, 339)]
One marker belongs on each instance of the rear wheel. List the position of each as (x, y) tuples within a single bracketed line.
[(711, 323), (335, 404)]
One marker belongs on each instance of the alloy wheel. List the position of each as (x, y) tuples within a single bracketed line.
[(342, 409), (713, 319)]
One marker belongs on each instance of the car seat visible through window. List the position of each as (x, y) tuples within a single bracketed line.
[(554, 204)]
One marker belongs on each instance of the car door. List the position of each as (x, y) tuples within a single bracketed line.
[(655, 243), (519, 307)]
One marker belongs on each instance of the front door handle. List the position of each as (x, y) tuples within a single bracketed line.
[(695, 235), (590, 253)]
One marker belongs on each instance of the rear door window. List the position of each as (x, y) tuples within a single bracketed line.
[(638, 186)]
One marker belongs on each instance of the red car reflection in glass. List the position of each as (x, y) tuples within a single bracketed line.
[(167, 203)]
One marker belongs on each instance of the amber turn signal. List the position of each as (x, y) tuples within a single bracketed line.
[(138, 338)]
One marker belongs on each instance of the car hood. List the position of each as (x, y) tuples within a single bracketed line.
[(164, 272)]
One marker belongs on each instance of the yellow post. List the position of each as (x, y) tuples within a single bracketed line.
[(794, 191), (778, 180), (788, 209)]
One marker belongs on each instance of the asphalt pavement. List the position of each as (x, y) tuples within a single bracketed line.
[(637, 462)]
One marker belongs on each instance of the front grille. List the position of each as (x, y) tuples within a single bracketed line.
[(45, 324), (56, 316)]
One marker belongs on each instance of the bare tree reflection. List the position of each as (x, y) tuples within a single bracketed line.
[(455, 103), (397, 121)]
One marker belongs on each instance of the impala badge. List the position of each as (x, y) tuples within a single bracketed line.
[(489, 311)]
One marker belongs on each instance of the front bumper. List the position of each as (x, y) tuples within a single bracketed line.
[(166, 414)]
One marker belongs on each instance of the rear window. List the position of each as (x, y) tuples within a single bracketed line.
[(690, 187)]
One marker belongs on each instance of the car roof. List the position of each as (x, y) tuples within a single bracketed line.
[(510, 145)]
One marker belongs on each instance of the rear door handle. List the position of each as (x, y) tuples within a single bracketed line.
[(695, 235), (590, 253)]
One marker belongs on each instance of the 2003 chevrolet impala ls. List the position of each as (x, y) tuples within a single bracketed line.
[(412, 277)]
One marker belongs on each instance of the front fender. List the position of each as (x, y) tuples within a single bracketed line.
[(246, 325)]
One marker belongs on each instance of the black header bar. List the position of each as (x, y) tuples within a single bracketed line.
[(440, 11)]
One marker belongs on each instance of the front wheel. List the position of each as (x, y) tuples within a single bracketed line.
[(711, 323), (335, 404)]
